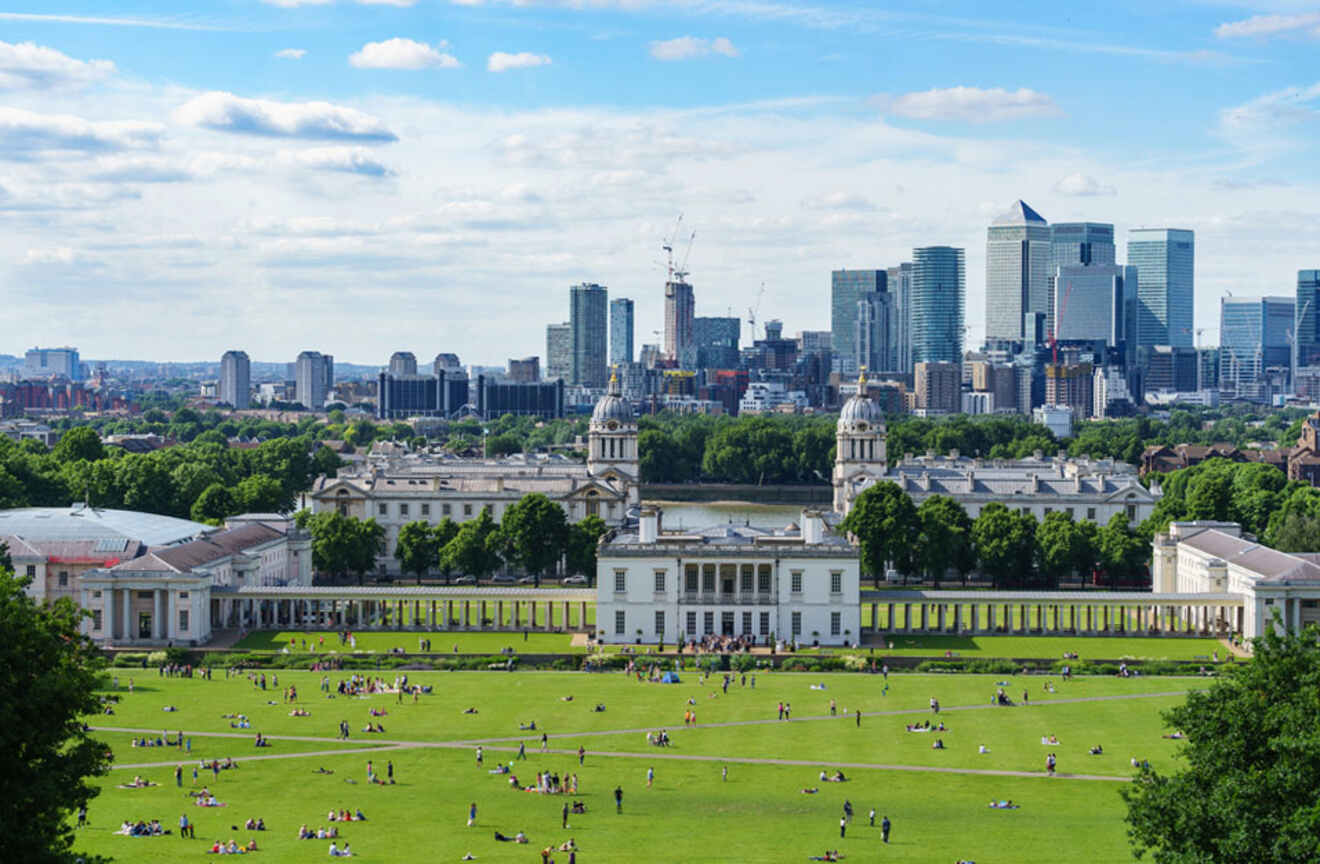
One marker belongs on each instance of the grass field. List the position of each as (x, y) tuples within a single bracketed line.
[(936, 799)]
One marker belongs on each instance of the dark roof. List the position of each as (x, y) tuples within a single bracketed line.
[(219, 545)]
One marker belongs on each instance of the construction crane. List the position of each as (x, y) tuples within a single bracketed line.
[(668, 246), (753, 311)]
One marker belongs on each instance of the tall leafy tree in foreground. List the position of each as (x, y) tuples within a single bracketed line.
[(1249, 780), (886, 524), (417, 548), (48, 671), (1005, 543), (533, 534), (945, 541)]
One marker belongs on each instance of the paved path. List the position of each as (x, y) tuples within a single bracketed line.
[(391, 745)]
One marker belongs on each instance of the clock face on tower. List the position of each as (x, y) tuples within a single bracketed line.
[(612, 425), (861, 427)]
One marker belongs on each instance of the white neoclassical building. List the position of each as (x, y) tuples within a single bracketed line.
[(407, 488), (1213, 558), (799, 582)]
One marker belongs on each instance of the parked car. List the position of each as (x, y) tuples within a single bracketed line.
[(466, 580), (528, 580), (506, 578), (574, 580)]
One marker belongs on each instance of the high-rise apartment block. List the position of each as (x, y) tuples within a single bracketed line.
[(525, 371), (589, 318), (236, 380), (716, 342), (314, 378), (939, 295), (1307, 324), (999, 380), (1165, 262), (1254, 334), (621, 331), (1071, 385), (900, 288), (403, 363), (1017, 273), (938, 387), (559, 351), (52, 363), (680, 309)]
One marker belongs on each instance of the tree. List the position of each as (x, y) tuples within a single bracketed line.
[(583, 540), (1298, 533), (469, 551), (417, 548), (1057, 546), (1122, 553), (342, 544), (214, 504), (445, 531), (262, 494), (326, 462), (503, 445), (80, 443), (51, 670), (945, 541), (1005, 543), (533, 534), (885, 522), (1246, 789)]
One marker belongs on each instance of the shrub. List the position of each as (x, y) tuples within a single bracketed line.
[(156, 658)]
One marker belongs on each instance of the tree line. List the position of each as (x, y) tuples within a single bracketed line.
[(534, 536)]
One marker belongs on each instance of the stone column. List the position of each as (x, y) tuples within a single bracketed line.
[(925, 616), (582, 615), (549, 615), (566, 606), (939, 617), (467, 613), (990, 617)]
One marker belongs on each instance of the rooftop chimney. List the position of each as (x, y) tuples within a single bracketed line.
[(649, 527)]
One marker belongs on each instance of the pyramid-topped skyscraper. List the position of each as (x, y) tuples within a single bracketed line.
[(1017, 277)]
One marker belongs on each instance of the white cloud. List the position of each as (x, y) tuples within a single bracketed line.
[(687, 47), (1080, 185), (149, 23), (1271, 111), (348, 160), (26, 65), (401, 53), (500, 61), (291, 53), (971, 104), (23, 133), (1307, 23), (226, 112), (50, 255), (140, 169), (850, 201)]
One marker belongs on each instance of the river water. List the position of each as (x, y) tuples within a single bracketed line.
[(706, 514)]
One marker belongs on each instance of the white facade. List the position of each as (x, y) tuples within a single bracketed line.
[(1056, 418), (793, 584), (1214, 558), (763, 397)]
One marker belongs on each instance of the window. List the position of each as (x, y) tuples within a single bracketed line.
[(445, 510), (620, 621), (96, 619), (382, 509), (765, 624), (467, 509), (1070, 512), (32, 571), (690, 578), (797, 623), (620, 581), (1090, 513), (1049, 510), (836, 623), (748, 576), (708, 578), (183, 595), (836, 582), (708, 619), (659, 623), (64, 578), (763, 578), (747, 623), (691, 624), (1132, 512), (183, 619), (403, 509), (1026, 511), (728, 576), (659, 581), (795, 582), (726, 623), (146, 595), (96, 595), (426, 509)]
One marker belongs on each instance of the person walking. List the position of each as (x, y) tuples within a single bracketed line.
[(843, 826), (859, 718), (650, 776), (389, 771), (564, 816), (178, 776), (724, 774), (472, 814), (618, 799), (479, 755), (522, 749), (183, 826), (582, 753), (82, 816), (872, 817), (545, 741), (884, 829), (847, 810)]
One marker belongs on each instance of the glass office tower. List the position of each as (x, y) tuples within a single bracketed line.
[(1017, 273), (1164, 258), (939, 296)]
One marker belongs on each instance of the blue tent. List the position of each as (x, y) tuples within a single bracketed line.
[(670, 678)]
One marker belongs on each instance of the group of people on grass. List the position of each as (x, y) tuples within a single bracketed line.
[(232, 848)]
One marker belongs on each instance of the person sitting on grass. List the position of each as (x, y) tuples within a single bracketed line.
[(830, 855), (1003, 805), (1097, 750), (502, 838), (472, 710), (938, 745), (810, 790), (323, 770)]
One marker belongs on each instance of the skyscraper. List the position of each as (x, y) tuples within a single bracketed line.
[(1077, 243), (716, 341), (1307, 325), (1253, 337), (1164, 258), (588, 305), (236, 380), (621, 330), (1093, 303), (403, 363), (939, 292), (680, 308), (1017, 273), (900, 288), (558, 351), (314, 377), (847, 288)]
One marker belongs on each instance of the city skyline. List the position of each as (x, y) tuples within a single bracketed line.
[(363, 151)]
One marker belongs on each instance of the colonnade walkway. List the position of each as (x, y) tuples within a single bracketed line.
[(1080, 613), (420, 607)]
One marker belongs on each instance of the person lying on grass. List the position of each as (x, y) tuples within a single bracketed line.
[(1003, 805)]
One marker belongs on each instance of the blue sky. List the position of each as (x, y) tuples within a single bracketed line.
[(432, 176)]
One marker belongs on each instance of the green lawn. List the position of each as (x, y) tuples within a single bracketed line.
[(441, 642), (1054, 647), (690, 814)]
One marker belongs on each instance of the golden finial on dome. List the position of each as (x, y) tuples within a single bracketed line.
[(861, 381)]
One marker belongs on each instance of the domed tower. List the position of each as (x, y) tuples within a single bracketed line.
[(859, 445), (612, 441)]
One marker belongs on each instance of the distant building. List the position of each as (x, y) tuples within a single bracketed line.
[(938, 388), (1300, 462), (588, 318), (1078, 243), (716, 340), (496, 398), (1167, 368), (1095, 303), (900, 288), (525, 371), (621, 331), (446, 363), (236, 380), (1165, 262), (978, 403), (314, 376), (1307, 326), (1017, 272), (1056, 418), (403, 363), (939, 295), (1254, 335), (52, 363), (998, 380), (1071, 385), (680, 309), (399, 397), (849, 290), (559, 351)]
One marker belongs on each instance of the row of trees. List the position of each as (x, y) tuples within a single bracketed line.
[(534, 537), (1010, 547)]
